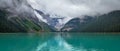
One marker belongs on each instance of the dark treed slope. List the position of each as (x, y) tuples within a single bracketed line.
[(106, 23)]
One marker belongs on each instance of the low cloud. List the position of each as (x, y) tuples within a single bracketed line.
[(65, 8), (17, 7), (75, 8)]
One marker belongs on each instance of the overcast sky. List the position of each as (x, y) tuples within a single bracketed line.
[(17, 7), (66, 8), (75, 8)]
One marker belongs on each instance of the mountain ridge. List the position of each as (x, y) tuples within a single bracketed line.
[(104, 23)]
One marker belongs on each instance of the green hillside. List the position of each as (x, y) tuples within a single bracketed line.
[(105, 23)]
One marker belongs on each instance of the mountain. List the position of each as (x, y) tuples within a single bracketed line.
[(19, 16), (76, 24), (21, 24), (105, 23), (52, 21)]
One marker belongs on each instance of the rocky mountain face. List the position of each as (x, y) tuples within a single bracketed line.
[(105, 23), (54, 23), (21, 24), (18, 16)]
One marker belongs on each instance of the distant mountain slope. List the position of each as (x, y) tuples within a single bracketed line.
[(21, 24), (105, 23)]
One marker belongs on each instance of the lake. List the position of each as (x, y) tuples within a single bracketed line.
[(59, 41)]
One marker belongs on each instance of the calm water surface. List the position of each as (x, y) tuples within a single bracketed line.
[(59, 42)]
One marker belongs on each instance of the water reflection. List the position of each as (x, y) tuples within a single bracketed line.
[(58, 43)]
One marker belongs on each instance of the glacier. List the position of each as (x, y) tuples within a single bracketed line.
[(52, 20)]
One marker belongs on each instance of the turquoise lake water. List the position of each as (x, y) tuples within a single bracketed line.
[(59, 42)]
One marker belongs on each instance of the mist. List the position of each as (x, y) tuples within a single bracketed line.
[(17, 7), (63, 8), (75, 8)]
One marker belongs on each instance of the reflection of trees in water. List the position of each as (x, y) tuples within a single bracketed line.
[(64, 34)]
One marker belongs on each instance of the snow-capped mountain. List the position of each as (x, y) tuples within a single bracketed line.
[(53, 21)]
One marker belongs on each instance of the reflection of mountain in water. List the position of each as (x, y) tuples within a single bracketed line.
[(59, 44), (55, 44)]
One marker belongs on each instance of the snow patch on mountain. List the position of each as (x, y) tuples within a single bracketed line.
[(52, 20)]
